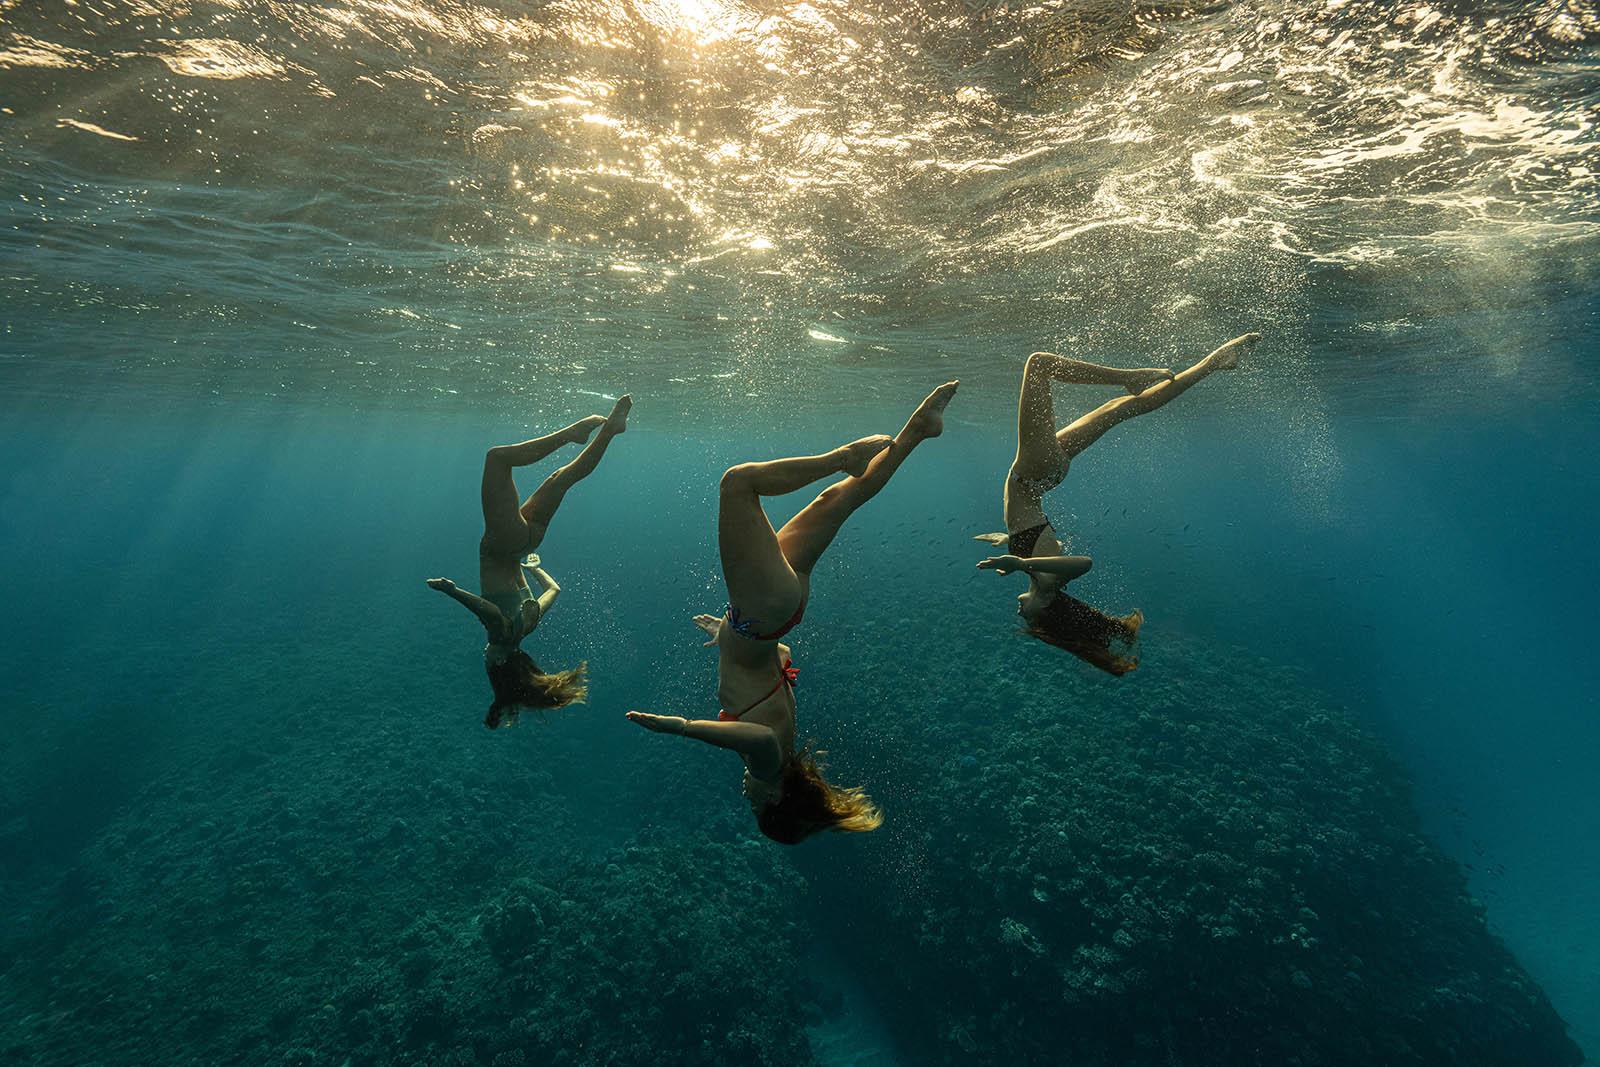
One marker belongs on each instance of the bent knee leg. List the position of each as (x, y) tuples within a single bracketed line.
[(496, 459), (738, 479)]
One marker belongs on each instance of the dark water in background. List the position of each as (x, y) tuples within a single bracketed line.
[(275, 275)]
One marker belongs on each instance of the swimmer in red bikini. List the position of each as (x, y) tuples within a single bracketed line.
[(768, 575)]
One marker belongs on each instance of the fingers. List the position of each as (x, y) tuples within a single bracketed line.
[(653, 723)]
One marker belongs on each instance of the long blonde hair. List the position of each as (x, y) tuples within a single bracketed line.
[(518, 683), (811, 804), (1105, 641)]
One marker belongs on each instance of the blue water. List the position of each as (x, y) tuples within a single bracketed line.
[(273, 281)]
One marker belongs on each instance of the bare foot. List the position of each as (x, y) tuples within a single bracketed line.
[(1142, 378), (617, 421), (858, 454), (928, 419), (579, 431), (1227, 357)]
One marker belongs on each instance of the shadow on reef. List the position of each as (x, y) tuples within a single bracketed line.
[(1200, 864)]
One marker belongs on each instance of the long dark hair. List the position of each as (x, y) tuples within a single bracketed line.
[(1101, 640), (518, 684), (812, 804)]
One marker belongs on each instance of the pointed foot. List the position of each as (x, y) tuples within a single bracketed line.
[(928, 420), (579, 431), (858, 454), (617, 421), (1227, 357)]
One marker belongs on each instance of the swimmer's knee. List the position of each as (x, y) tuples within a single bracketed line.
[(1035, 364), (736, 479)]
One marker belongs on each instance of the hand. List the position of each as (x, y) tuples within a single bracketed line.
[(1003, 564), (661, 724), (531, 560), (444, 585), (712, 625)]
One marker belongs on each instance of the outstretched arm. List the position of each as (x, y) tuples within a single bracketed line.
[(758, 744), (1064, 567), (486, 612)]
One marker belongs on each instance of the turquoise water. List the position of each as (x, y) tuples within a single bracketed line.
[(274, 278)]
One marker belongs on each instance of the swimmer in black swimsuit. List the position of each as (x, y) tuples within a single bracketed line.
[(1043, 456), (768, 574), (508, 608)]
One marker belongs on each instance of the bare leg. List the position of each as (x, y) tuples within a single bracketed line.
[(760, 580), (540, 508), (805, 537), (1038, 457), (504, 528), (1077, 372), (1089, 429)]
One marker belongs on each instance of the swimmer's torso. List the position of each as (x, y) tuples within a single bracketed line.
[(500, 574), (501, 582), (746, 671)]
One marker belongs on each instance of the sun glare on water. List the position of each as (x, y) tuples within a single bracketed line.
[(704, 22)]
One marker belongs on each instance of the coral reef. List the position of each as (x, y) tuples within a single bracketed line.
[(1211, 866), (1202, 864), (325, 889)]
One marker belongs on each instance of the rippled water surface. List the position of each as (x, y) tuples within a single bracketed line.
[(414, 199)]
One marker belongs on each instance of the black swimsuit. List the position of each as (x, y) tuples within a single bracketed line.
[(1022, 542)]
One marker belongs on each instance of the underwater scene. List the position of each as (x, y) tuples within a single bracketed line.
[(305, 307)]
